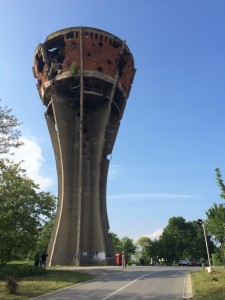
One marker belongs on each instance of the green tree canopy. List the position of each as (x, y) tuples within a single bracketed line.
[(23, 210), (9, 130), (179, 239), (45, 234), (219, 180), (142, 244), (128, 246), (117, 244), (216, 225)]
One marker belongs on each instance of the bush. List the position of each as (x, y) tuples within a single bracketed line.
[(20, 271), (73, 68), (217, 260), (11, 284)]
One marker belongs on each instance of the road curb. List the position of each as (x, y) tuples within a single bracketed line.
[(187, 293)]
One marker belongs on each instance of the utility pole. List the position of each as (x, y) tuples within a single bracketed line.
[(201, 223)]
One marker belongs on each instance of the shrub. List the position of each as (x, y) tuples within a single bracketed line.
[(11, 284), (20, 271), (73, 68)]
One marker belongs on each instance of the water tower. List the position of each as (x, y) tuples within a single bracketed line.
[(84, 79)]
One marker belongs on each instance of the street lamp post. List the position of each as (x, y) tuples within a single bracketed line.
[(201, 223)]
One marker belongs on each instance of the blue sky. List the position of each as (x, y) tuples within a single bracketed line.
[(171, 137)]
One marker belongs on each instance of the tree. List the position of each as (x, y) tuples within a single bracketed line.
[(175, 239), (9, 132), (22, 211), (219, 180), (45, 234), (117, 244), (216, 225), (182, 239), (128, 246), (154, 250), (216, 217), (143, 243)]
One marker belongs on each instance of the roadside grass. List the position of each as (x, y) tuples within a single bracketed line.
[(208, 286), (33, 284)]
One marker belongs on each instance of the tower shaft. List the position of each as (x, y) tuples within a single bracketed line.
[(84, 78)]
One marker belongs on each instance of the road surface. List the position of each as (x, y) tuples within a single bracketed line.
[(147, 282)]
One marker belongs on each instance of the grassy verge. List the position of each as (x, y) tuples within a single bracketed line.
[(208, 286), (38, 284)]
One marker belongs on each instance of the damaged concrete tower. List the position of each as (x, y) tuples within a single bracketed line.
[(84, 79)]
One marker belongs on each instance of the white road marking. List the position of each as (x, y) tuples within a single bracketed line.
[(123, 287)]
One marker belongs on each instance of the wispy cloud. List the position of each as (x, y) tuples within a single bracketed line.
[(114, 172), (150, 196), (31, 155)]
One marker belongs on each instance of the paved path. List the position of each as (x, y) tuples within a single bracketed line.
[(164, 283)]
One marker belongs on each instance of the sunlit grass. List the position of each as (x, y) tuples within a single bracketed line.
[(208, 286), (34, 286)]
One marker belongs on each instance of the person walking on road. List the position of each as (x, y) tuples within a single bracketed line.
[(124, 260)]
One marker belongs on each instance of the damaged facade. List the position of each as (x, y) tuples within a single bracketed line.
[(84, 76)]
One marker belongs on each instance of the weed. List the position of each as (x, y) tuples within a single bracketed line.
[(11, 284)]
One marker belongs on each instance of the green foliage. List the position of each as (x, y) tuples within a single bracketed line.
[(22, 212), (216, 225), (220, 182), (11, 284), (20, 270), (117, 244), (73, 68), (9, 132), (216, 217), (128, 246), (216, 258), (45, 234), (143, 243), (179, 239), (216, 222), (123, 245)]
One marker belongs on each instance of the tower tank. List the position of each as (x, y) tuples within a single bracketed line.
[(84, 76)]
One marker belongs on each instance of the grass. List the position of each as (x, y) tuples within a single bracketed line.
[(35, 285), (208, 286)]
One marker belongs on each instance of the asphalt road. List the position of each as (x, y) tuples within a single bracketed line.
[(147, 282)]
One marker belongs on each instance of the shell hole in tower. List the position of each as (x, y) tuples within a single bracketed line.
[(99, 69), (114, 43), (40, 63), (53, 49), (88, 54), (70, 35)]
